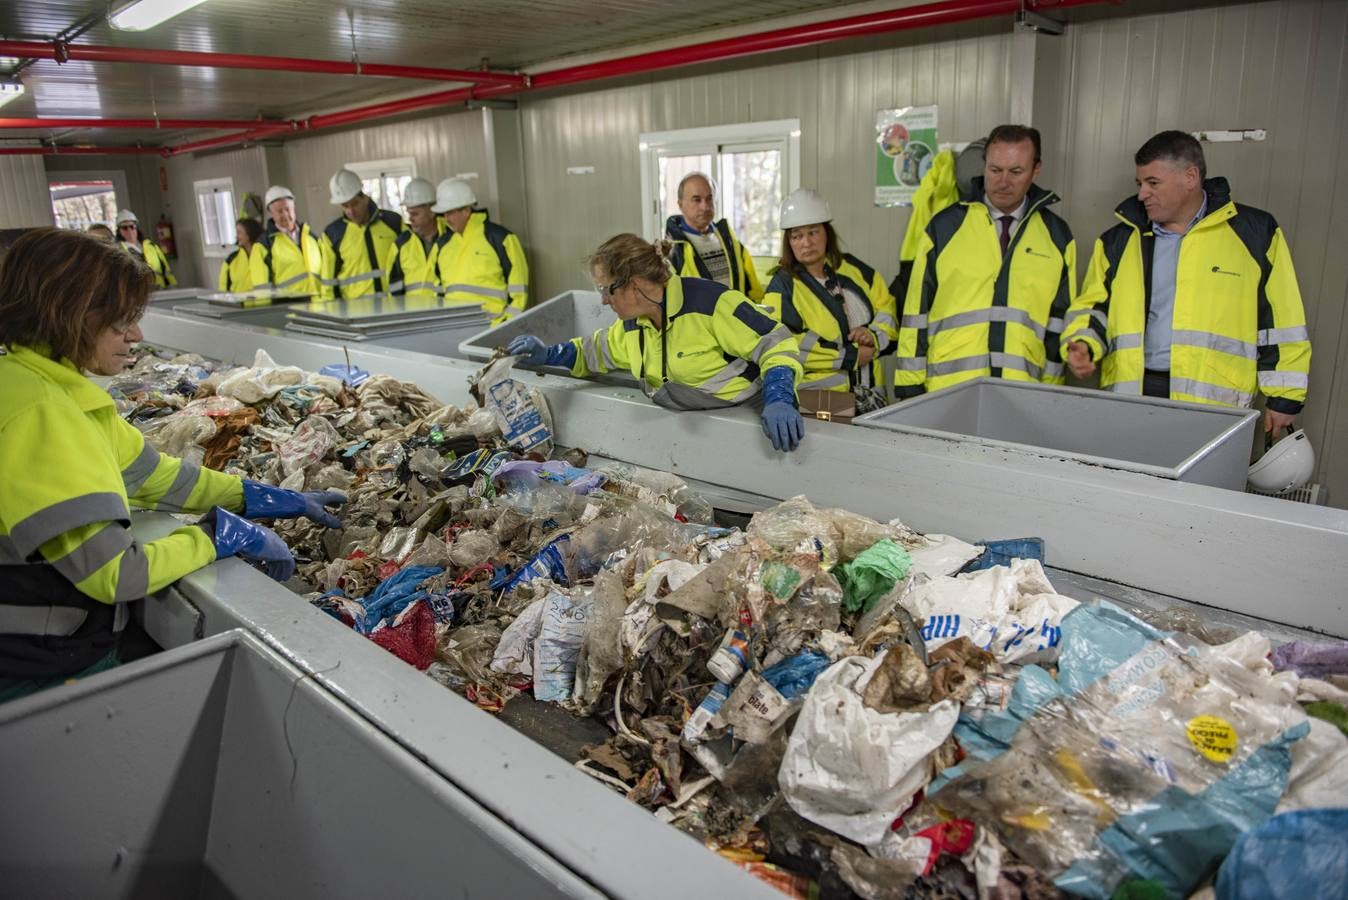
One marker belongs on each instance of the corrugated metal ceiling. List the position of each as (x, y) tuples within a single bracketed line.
[(458, 34)]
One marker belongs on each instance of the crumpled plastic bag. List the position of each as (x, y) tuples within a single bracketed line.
[(1290, 857), (521, 412), (472, 547), (834, 535), (1145, 759), (872, 573), (262, 381), (1318, 777), (1011, 611), (1312, 660), (560, 635), (312, 441), (181, 436), (468, 651), (515, 653), (850, 768), (601, 653), (942, 555)]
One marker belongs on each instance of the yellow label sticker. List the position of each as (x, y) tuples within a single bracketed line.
[(1213, 737)]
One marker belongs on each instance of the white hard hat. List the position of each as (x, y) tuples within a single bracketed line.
[(277, 192), (344, 185), (126, 215), (1286, 466), (804, 207), (452, 193), (418, 192)]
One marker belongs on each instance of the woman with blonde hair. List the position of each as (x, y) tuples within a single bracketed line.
[(691, 343)]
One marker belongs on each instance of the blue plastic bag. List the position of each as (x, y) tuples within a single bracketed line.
[(1293, 856), (1000, 553)]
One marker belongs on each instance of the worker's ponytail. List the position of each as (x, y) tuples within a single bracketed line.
[(626, 256)]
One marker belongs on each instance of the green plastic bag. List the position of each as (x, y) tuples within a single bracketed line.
[(872, 574)]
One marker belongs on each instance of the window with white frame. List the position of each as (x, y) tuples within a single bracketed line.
[(215, 212), (754, 165), (385, 179)]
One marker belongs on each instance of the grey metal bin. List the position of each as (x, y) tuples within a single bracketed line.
[(217, 770), (1181, 441), (569, 314)]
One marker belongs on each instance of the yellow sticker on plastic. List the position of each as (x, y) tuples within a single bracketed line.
[(1213, 737)]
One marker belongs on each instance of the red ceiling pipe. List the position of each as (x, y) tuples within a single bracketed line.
[(945, 12), (229, 140), (92, 53), (43, 122)]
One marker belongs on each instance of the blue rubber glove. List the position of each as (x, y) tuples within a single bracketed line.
[(782, 422), (265, 501), (536, 353), (236, 536)]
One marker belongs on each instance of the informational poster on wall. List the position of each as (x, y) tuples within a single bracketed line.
[(905, 144)]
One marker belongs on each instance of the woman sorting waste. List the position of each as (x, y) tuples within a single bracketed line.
[(837, 305), (71, 469), (691, 343)]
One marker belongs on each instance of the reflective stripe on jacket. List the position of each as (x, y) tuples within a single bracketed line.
[(71, 469), (236, 273), (972, 310), (819, 321), (411, 269), (277, 262), (485, 265), (353, 255), (684, 258), (717, 341), (1238, 322)]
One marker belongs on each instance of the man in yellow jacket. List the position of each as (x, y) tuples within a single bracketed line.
[(134, 241), (479, 262), (992, 279), (357, 242), (411, 259), (287, 256), (1192, 296), (709, 249)]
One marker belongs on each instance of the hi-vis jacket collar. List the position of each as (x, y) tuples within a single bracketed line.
[(1220, 207), (1038, 197), (87, 395)]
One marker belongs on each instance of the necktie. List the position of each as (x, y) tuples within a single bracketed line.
[(1006, 231)]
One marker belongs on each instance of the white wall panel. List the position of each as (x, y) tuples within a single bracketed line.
[(442, 146), (1282, 66), (24, 199), (248, 169)]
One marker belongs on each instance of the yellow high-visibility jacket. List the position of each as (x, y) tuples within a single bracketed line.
[(154, 258), (353, 255), (277, 262), (1239, 325), (819, 320), (684, 258), (70, 469), (972, 311), (411, 269), (937, 190), (485, 266), (714, 340), (236, 273)]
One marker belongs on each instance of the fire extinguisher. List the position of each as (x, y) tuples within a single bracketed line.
[(165, 232)]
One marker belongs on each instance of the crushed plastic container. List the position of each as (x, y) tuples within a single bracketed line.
[(1182, 441)]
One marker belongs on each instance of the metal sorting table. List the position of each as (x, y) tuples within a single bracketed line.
[(381, 315), (1109, 533), (1184, 441), (218, 770), (174, 294)]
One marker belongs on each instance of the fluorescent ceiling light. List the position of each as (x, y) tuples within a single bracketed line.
[(10, 90), (8, 62), (143, 15)]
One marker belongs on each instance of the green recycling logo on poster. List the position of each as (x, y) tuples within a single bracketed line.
[(905, 144)]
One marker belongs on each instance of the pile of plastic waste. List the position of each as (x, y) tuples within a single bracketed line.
[(839, 705)]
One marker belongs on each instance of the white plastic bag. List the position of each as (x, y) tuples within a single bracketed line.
[(1010, 611), (557, 650), (942, 555), (1319, 774), (261, 382), (520, 411), (850, 768), (515, 653)]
